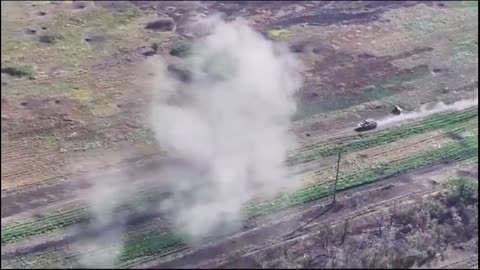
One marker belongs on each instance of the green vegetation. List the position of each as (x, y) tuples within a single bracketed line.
[(448, 122), (463, 4), (61, 220), (327, 104), (54, 222), (152, 243), (466, 149), (379, 93), (279, 33), (455, 151), (426, 229), (463, 189), (383, 89), (182, 50), (72, 216), (72, 30)]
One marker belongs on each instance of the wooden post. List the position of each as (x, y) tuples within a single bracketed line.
[(336, 179)]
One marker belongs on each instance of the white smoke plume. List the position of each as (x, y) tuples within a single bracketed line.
[(231, 123), (102, 249), (427, 110)]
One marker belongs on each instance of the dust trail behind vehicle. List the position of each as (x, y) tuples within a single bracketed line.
[(427, 110)]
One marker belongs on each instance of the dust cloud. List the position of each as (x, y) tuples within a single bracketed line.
[(104, 244), (228, 128), (427, 110), (231, 123)]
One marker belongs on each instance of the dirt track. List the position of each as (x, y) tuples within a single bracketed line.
[(352, 204), (77, 100)]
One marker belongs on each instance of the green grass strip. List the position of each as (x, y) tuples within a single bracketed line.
[(449, 121), (17, 232), (464, 150)]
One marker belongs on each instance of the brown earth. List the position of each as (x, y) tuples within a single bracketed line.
[(78, 97)]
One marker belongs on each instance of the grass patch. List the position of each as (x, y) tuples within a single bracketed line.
[(182, 50), (415, 73), (60, 219), (463, 189), (279, 33), (379, 93), (327, 104), (149, 244), (467, 149), (70, 50), (64, 219), (448, 122), (462, 4), (154, 245), (383, 89)]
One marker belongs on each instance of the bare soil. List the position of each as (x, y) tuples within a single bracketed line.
[(74, 109)]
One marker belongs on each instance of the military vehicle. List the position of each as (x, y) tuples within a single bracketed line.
[(366, 125), (397, 110)]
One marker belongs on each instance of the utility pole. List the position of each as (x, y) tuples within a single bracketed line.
[(336, 179), (330, 206)]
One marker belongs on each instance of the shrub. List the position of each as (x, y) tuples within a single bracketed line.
[(182, 50), (463, 189)]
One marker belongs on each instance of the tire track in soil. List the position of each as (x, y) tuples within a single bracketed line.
[(370, 210), (467, 263), (133, 220), (137, 168), (140, 218), (270, 234), (150, 217)]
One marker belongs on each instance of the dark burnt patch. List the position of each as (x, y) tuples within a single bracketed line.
[(79, 5), (297, 48), (437, 70), (49, 38), (95, 39), (182, 50), (163, 25), (366, 56), (182, 74), (377, 4), (326, 18), (410, 53), (348, 80), (150, 50), (339, 13), (114, 4), (31, 31), (15, 72)]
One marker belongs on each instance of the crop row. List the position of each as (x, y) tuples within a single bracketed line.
[(154, 244), (73, 216), (447, 121), (148, 244), (440, 117), (466, 149)]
